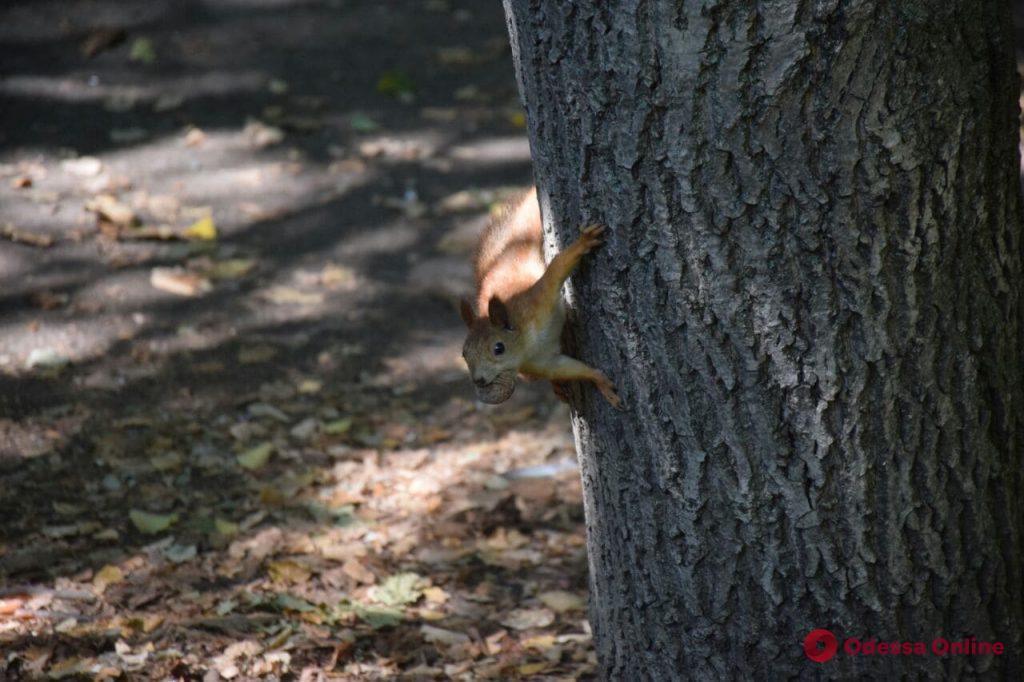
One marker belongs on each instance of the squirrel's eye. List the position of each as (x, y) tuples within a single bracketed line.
[(499, 348)]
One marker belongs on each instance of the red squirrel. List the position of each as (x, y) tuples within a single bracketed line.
[(521, 317)]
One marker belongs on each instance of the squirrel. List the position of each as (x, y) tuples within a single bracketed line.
[(522, 315)]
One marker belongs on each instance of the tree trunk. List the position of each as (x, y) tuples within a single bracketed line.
[(811, 302)]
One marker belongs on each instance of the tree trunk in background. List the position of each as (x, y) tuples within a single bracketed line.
[(811, 302)]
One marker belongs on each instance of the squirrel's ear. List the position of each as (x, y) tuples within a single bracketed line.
[(498, 314), (466, 310)]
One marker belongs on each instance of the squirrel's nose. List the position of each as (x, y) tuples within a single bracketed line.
[(480, 382)]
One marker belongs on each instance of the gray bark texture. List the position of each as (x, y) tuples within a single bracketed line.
[(811, 300)]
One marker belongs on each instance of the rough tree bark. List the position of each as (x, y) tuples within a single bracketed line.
[(811, 302)]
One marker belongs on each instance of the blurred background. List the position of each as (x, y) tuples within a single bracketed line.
[(236, 435)]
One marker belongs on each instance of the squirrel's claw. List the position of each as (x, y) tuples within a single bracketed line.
[(607, 389), (591, 237), (611, 396)]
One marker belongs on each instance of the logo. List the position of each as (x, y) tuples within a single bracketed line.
[(820, 645)]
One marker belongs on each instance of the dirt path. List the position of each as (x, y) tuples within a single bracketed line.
[(236, 439)]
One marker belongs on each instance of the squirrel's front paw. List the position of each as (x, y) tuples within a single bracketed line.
[(591, 237)]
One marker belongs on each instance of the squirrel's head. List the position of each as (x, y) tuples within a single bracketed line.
[(491, 351)]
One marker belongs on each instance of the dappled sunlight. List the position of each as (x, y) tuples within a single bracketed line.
[(71, 341), (393, 237), (412, 521), (436, 356), (84, 87), (501, 151)]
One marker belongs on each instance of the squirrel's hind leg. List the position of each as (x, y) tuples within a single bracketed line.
[(561, 390)]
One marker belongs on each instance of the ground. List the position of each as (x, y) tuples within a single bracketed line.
[(236, 436)]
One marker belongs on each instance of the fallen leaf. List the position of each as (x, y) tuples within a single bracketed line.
[(226, 528), (362, 124), (261, 135), (379, 617), (310, 386), (288, 602), (179, 282), (167, 461), (256, 457), (272, 496), (436, 635), (470, 93), (282, 295), (150, 523), (69, 530), (338, 426), (102, 39), (396, 83), (194, 137), (435, 595), (436, 434), (225, 663), (265, 410), (541, 642), (457, 56), (179, 554), (334, 276), (526, 619), (305, 429), (68, 509), (203, 229), (288, 571), (232, 268), (147, 623), (226, 607), (45, 358), (533, 668), (8, 605), (517, 119), (401, 588), (561, 601), (42, 241), (73, 667), (163, 207), (108, 575), (168, 101), (142, 51), (354, 166), (108, 208), (23, 182), (355, 569), (251, 355)]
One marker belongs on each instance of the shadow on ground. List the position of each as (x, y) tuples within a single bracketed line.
[(256, 454)]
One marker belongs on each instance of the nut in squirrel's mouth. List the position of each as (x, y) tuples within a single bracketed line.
[(499, 390)]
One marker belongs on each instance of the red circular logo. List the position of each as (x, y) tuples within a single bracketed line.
[(820, 645)]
